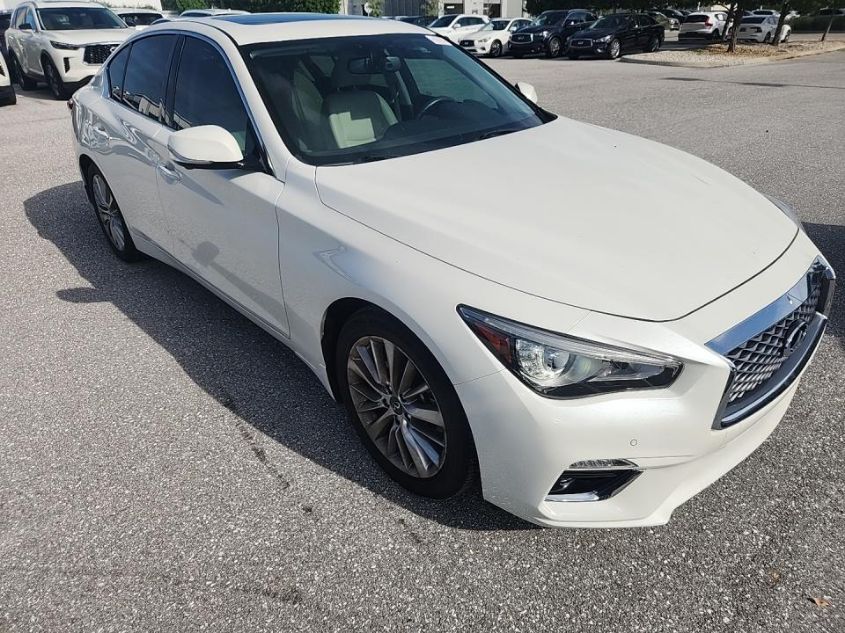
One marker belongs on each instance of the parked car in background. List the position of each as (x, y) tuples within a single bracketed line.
[(61, 43), (5, 21), (549, 32), (417, 20), (138, 19), (593, 343), (7, 90), (493, 38), (761, 28), (708, 25), (210, 13), (669, 24), (829, 12), (456, 27), (616, 34), (680, 16), (766, 12)]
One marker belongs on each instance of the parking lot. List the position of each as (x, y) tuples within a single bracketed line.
[(169, 466)]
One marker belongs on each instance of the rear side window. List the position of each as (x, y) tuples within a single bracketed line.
[(146, 74), (116, 71), (206, 94)]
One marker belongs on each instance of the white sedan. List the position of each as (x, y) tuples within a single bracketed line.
[(457, 27), (596, 358), (759, 28), (494, 37)]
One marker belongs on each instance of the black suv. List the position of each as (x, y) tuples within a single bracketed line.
[(549, 32), (616, 34)]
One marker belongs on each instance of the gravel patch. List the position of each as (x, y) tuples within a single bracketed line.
[(716, 56)]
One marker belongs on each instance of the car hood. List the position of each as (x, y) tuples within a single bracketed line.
[(595, 34), (536, 29), (478, 35), (443, 30), (90, 36), (582, 215)]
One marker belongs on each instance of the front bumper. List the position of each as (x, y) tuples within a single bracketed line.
[(525, 441), (745, 36), (700, 34), (587, 47), (477, 48), (75, 67), (534, 47)]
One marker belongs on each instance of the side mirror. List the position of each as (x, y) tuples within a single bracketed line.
[(205, 147), (528, 91), (26, 26)]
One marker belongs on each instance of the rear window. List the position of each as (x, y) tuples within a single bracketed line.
[(697, 18), (753, 20)]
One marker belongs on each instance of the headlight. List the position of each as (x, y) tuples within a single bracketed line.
[(788, 211), (544, 34), (63, 46), (606, 38), (560, 366), (482, 40)]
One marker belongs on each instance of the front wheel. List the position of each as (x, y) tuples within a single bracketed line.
[(614, 49), (403, 406), (553, 47), (54, 81), (495, 49)]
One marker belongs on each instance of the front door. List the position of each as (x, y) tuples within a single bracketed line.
[(222, 222)]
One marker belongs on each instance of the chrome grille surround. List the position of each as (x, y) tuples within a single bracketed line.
[(767, 351)]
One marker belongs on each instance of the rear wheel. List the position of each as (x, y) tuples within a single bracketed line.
[(403, 406), (54, 81), (110, 218), (716, 35), (23, 81), (553, 47), (495, 48), (653, 45)]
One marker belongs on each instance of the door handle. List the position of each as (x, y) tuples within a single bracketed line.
[(168, 173)]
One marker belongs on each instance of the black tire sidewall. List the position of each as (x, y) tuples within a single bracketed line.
[(549, 51), (55, 83), (610, 54), (23, 81), (495, 48), (129, 253), (458, 469)]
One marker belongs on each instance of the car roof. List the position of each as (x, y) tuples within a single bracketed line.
[(131, 10), (65, 4), (253, 28)]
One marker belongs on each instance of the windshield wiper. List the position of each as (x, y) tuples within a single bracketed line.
[(493, 133)]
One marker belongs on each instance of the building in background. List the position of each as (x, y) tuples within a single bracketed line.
[(490, 8)]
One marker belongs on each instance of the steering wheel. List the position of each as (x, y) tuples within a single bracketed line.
[(433, 102)]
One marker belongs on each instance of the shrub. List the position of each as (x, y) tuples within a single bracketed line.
[(817, 23)]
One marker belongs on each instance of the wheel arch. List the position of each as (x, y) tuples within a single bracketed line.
[(85, 162)]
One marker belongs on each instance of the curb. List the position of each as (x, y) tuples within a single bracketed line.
[(753, 61)]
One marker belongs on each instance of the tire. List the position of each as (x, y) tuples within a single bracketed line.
[(653, 45), (426, 458), (614, 49), (496, 49), (109, 216), (23, 81), (767, 39), (10, 99), (573, 56), (715, 35), (553, 48), (54, 81)]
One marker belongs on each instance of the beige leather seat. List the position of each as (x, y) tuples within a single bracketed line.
[(357, 117)]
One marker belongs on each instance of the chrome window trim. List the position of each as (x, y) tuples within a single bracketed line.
[(760, 321)]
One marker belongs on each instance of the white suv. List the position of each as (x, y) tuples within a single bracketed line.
[(710, 25), (456, 27), (61, 43)]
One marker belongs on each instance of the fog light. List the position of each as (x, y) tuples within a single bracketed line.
[(591, 485)]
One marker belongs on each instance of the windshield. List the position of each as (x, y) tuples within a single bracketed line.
[(442, 21), (610, 22), (357, 99), (495, 25), (77, 18), (140, 19), (547, 19)]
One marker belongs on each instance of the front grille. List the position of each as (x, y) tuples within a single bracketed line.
[(520, 38), (98, 53), (760, 357), (467, 43), (582, 43)]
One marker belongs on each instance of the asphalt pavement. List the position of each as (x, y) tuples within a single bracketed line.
[(167, 466)]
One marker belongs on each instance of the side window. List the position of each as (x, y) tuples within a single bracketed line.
[(30, 17), (116, 71), (146, 74), (206, 94)]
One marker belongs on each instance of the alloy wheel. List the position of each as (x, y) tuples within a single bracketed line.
[(554, 47), (108, 212), (53, 81), (396, 406), (495, 49), (615, 47)]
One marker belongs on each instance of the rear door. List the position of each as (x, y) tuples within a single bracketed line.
[(130, 131), (223, 222)]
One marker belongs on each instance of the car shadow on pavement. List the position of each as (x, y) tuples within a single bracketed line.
[(247, 371)]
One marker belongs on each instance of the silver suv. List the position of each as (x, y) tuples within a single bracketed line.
[(61, 43)]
